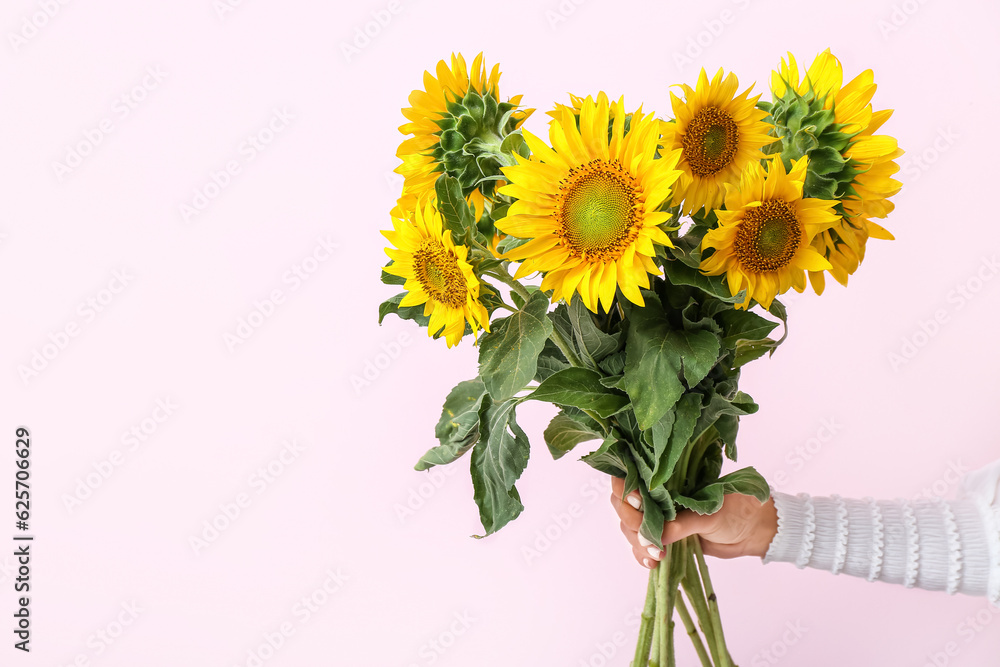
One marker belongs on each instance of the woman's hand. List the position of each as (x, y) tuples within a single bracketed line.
[(742, 527)]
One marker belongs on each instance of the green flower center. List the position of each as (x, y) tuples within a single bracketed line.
[(710, 141), (438, 272), (768, 236), (598, 210)]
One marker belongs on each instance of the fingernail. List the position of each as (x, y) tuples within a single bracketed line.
[(643, 541), (633, 501), (647, 563), (654, 552)]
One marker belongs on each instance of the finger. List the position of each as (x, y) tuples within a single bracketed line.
[(630, 535), (618, 487), (629, 516), (687, 523), (643, 558)]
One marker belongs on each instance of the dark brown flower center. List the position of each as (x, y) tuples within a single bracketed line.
[(438, 272), (768, 236), (711, 141)]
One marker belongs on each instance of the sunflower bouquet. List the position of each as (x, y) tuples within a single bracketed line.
[(653, 239)]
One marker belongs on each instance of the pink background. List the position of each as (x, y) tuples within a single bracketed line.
[(382, 551)]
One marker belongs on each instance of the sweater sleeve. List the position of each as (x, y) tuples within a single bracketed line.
[(930, 543)]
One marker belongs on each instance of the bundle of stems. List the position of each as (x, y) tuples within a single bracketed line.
[(681, 573)]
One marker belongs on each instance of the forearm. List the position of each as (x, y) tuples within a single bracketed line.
[(930, 544)]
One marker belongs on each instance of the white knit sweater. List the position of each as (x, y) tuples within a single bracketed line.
[(936, 544)]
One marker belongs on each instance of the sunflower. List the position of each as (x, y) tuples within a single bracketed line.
[(432, 115), (590, 203), (869, 158), (436, 272), (575, 104), (718, 133), (764, 235)]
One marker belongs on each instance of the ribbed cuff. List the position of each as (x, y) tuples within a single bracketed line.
[(930, 544)]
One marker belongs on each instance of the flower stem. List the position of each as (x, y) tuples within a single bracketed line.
[(692, 586), (662, 619), (692, 631), (565, 348), (673, 552), (723, 659), (506, 278), (641, 658)]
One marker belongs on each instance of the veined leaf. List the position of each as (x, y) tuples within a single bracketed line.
[(454, 210), (508, 354), (678, 273), (564, 433), (709, 499), (498, 460), (458, 427), (657, 359), (607, 458), (580, 388)]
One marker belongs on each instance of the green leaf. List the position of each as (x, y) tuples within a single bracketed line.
[(564, 433), (498, 460), (612, 381), (704, 501), (687, 248), (508, 354), (743, 325), (390, 278), (576, 324), (508, 243), (778, 310), (391, 306), (657, 357), (607, 458), (489, 297), (747, 351), (709, 499), (693, 319), (728, 426), (642, 454), (458, 219), (717, 406), (458, 427), (664, 455), (581, 388), (678, 273), (685, 417), (747, 481), (613, 364), (550, 361), (657, 507), (707, 468)]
